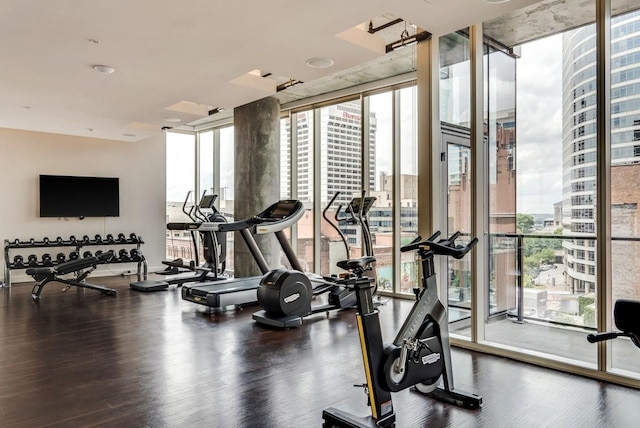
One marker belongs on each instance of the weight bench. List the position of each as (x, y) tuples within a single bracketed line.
[(626, 315), (80, 267)]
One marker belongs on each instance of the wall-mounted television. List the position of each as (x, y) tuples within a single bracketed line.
[(67, 196)]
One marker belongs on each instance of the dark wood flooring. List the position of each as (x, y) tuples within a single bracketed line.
[(79, 359)]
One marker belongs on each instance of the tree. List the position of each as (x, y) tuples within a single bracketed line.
[(524, 223)]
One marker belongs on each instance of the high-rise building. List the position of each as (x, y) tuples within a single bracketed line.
[(579, 140), (340, 152)]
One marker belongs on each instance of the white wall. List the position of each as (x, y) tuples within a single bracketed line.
[(140, 166)]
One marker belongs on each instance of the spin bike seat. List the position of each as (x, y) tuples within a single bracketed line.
[(360, 264)]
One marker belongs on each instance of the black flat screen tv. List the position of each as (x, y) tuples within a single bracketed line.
[(67, 196)]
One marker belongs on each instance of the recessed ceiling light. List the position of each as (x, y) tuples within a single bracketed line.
[(172, 119), (90, 129), (105, 69), (319, 62), (129, 135)]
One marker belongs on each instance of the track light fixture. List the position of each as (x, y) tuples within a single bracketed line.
[(406, 40)]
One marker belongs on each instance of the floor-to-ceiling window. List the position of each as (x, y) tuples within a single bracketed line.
[(455, 120), (181, 157), (226, 198), (304, 186), (625, 170), (381, 185), (542, 180), (407, 121), (206, 159), (285, 158), (340, 149)]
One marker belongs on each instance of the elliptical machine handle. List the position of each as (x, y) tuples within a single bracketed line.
[(336, 224), (184, 206), (324, 211)]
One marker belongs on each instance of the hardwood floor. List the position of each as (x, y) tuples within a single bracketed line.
[(80, 358)]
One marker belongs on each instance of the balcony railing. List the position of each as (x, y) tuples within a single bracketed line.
[(544, 277)]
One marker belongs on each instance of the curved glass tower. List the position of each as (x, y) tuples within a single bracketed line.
[(579, 135)]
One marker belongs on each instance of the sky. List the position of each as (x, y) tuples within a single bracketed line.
[(539, 126)]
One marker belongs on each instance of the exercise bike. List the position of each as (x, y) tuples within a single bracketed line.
[(625, 315), (285, 295), (420, 354)]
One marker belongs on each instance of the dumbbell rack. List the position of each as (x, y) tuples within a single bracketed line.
[(78, 245)]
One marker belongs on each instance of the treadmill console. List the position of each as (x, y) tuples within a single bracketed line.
[(280, 210), (279, 216)]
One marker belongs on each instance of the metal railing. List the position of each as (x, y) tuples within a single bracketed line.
[(519, 268)]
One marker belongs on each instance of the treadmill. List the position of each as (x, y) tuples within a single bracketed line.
[(238, 291)]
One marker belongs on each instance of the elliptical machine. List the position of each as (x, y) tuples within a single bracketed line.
[(420, 354), (286, 295), (213, 243)]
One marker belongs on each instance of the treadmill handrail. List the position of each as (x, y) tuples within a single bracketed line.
[(200, 226)]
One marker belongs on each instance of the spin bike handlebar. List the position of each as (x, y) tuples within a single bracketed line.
[(599, 337), (444, 247)]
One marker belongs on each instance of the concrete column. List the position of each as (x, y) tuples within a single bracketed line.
[(257, 177)]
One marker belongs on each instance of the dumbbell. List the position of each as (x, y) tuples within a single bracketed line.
[(74, 255), (45, 241), (106, 257), (133, 238), (16, 242), (110, 239), (85, 239), (46, 260), (32, 260), (59, 240), (18, 261), (73, 239), (98, 239), (87, 254), (121, 238), (32, 241), (135, 255), (61, 258), (123, 256)]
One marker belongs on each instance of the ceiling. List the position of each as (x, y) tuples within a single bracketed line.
[(165, 52)]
